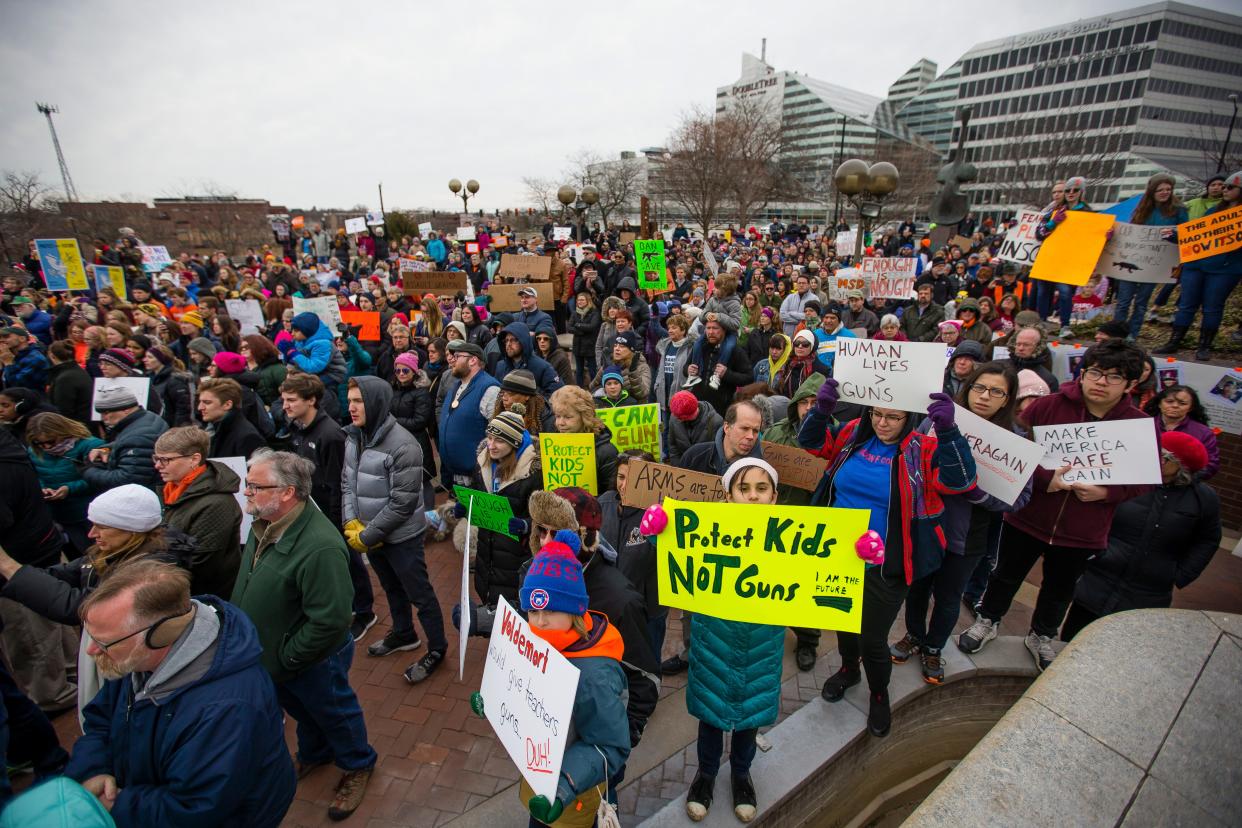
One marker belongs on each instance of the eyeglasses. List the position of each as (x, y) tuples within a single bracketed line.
[(1095, 375), (888, 418), (254, 487), (403, 370), (165, 459), (994, 393)]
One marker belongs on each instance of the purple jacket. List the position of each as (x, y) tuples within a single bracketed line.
[(1203, 434)]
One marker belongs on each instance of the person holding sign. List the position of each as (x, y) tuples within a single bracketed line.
[(573, 410), (554, 598), (882, 463), (1065, 198), (1064, 523), (972, 525), (1158, 207)]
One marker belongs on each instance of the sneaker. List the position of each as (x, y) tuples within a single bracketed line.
[(1067, 332), (979, 633), (690, 383), (714, 381), (744, 804), (393, 643), (349, 793), (901, 651), (804, 657), (305, 769), (933, 666), (362, 622), (1041, 649), (424, 667), (1152, 315), (839, 682), (673, 665), (879, 715), (699, 800)]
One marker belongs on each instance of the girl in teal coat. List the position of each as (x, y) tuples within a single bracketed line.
[(59, 448)]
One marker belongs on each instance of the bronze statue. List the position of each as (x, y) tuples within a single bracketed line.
[(950, 205)]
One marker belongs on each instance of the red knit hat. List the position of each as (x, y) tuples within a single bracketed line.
[(684, 406), (1188, 450)]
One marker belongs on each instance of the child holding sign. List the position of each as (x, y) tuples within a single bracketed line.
[(735, 666)]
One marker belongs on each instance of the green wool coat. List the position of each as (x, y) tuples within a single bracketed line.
[(208, 512)]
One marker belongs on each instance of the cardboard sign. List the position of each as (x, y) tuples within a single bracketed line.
[(562, 233), (487, 511), (897, 375), (568, 460), (889, 278), (368, 320), (155, 258), (1020, 245), (1004, 461), (844, 280), (110, 277), (238, 465), (626, 238), (61, 261), (649, 483), (1070, 253), (963, 244), (797, 467), (1106, 453), (465, 233), (1210, 235), (325, 307), (528, 697), (439, 282), (500, 241), (425, 229), (783, 565), (531, 268), (247, 313), (139, 386), (356, 225), (1137, 253), (650, 265), (464, 601), (633, 427), (505, 297)]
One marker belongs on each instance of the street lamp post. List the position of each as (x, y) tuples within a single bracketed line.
[(464, 193), (1224, 148), (866, 188), (580, 203)]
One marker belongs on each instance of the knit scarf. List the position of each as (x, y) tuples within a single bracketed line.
[(775, 367), (173, 491)]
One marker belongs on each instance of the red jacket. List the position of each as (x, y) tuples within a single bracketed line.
[(1060, 518)]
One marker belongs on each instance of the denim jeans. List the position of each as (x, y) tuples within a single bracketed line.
[(1063, 566), (329, 717), (1138, 294), (656, 627), (25, 735), (711, 749), (947, 585), (402, 572), (1209, 290), (1166, 290), (1065, 300), (364, 596)]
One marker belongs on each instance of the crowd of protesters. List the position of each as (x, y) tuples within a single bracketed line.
[(118, 507)]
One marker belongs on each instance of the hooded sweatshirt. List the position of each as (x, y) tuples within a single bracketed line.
[(545, 375)]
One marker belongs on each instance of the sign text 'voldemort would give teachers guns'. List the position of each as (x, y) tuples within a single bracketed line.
[(783, 565), (898, 375), (528, 698), (1107, 453)]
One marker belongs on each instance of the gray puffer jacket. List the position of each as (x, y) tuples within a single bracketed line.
[(382, 480)]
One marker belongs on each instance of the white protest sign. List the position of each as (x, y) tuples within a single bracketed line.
[(1138, 253), (1219, 390), (238, 465), (889, 278), (1020, 245), (1066, 361), (528, 697), (1107, 453), (324, 307), (709, 259), (1004, 461), (425, 229), (839, 283), (154, 258), (561, 233), (1000, 353), (897, 375), (846, 241), (247, 313), (463, 629), (356, 225), (465, 233), (375, 217), (139, 386)]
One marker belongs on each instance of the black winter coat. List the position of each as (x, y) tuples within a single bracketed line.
[(1158, 540), (322, 443), (500, 557), (172, 388), (585, 328), (605, 460), (414, 410), (682, 435), (70, 389), (234, 436), (27, 530), (738, 372)]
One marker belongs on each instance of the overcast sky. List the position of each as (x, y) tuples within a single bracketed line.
[(312, 103)]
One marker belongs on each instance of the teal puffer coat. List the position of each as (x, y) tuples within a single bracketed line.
[(55, 472), (735, 673)]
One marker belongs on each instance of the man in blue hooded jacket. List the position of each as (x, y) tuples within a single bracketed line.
[(518, 349)]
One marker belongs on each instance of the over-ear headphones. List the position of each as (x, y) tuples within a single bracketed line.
[(167, 630)]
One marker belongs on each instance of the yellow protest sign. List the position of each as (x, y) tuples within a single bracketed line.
[(568, 460), (1217, 233), (783, 565), (1069, 254), (633, 427), (110, 277)]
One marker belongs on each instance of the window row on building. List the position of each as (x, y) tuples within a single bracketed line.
[(1062, 73), (1071, 46)]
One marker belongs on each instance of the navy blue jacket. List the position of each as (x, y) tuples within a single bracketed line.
[(545, 375)]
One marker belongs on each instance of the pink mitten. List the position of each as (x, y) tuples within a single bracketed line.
[(870, 547), (654, 520)]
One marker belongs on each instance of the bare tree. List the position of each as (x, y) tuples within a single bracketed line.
[(765, 165), (695, 173), (541, 194), (25, 204), (619, 181)]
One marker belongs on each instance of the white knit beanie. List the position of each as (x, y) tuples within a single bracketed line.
[(745, 463), (131, 507)]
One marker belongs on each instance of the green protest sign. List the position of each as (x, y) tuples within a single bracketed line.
[(633, 426), (490, 511), (649, 262)]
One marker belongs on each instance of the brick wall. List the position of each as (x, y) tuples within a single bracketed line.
[(1228, 482)]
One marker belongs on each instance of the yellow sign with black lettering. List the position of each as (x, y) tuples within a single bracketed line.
[(789, 566), (568, 460)]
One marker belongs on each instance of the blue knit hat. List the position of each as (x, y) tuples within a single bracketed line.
[(554, 580), (613, 374), (305, 323)]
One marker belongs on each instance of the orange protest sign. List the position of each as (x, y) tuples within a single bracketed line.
[(369, 320), (1070, 253), (1218, 233), (298, 222)]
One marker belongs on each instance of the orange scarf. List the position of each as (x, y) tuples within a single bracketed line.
[(173, 491), (610, 644)]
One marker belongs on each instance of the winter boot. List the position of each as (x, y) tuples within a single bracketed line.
[(1206, 335), (1175, 341)]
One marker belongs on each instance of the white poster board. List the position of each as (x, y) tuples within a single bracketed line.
[(324, 307), (463, 625), (1137, 253), (528, 697), (425, 229), (709, 259), (846, 241), (238, 465), (1004, 461), (1020, 245), (841, 281), (889, 278), (375, 217), (1066, 360), (140, 386), (897, 375), (1106, 453), (561, 233), (356, 225), (465, 233), (1219, 390), (247, 313), (154, 258)]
